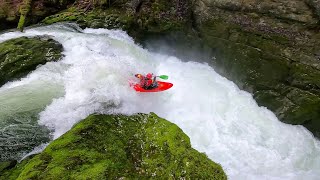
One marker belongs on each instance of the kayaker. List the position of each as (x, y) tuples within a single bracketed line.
[(147, 82)]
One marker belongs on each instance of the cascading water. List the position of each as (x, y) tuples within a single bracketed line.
[(221, 120)]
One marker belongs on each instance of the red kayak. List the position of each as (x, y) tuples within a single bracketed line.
[(162, 86)]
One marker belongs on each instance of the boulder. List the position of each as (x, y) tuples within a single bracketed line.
[(119, 147), (20, 56)]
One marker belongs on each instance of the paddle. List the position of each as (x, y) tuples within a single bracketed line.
[(165, 77)]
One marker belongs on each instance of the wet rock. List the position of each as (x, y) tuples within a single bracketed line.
[(20, 56), (138, 18), (9, 11), (268, 48), (315, 4), (119, 147)]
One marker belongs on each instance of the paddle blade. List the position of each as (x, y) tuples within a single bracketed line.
[(165, 77)]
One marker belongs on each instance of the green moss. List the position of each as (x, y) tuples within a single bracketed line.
[(63, 16), (13, 173), (110, 18), (305, 77), (152, 17), (115, 19), (7, 165), (24, 10), (306, 108), (269, 98), (21, 22), (117, 146), (20, 56)]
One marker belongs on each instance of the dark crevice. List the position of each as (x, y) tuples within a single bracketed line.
[(313, 9), (194, 23), (138, 7)]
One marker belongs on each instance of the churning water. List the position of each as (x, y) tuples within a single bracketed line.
[(221, 120)]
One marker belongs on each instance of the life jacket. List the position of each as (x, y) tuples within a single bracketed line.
[(144, 81), (148, 82)]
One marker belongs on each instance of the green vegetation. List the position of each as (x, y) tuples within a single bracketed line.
[(24, 10), (117, 146), (110, 19)]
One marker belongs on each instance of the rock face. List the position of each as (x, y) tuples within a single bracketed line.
[(296, 10), (269, 48), (20, 56), (119, 147), (137, 17), (315, 4), (10, 11)]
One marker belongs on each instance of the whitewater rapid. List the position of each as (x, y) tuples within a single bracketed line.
[(221, 120)]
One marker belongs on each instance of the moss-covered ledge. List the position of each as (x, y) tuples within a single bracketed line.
[(117, 146), (28, 12), (20, 56), (138, 18)]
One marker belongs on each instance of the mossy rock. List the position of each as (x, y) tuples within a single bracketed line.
[(305, 77), (20, 56), (12, 172), (283, 73), (136, 17), (7, 165), (119, 147), (111, 19), (31, 12)]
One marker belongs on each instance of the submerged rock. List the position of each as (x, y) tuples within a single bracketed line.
[(119, 147), (20, 56)]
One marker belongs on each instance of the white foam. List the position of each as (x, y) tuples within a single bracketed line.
[(35, 150), (221, 120)]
